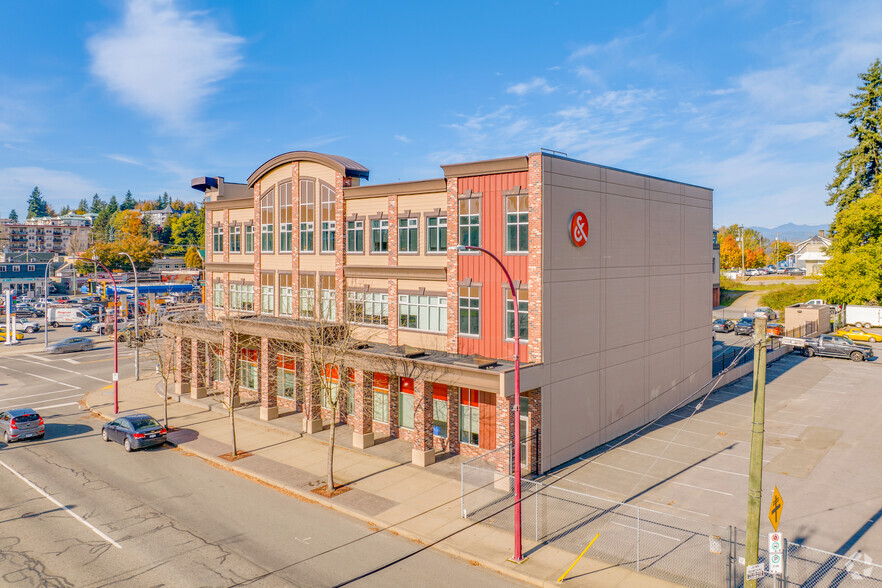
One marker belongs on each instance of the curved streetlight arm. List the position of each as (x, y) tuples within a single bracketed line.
[(115, 324), (518, 546), (46, 308)]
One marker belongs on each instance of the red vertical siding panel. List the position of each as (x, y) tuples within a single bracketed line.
[(486, 420), (481, 268)]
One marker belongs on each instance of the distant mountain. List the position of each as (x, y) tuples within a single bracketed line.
[(792, 232)]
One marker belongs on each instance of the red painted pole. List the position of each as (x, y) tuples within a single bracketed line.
[(518, 547)]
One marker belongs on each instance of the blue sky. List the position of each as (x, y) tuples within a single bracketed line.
[(144, 95)]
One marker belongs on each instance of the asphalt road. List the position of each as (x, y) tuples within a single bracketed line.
[(76, 511)]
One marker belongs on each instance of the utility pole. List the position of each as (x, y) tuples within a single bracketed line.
[(755, 480)]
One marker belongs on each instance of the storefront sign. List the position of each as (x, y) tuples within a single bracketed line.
[(579, 229)]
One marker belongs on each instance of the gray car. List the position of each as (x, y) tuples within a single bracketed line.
[(71, 344), (21, 423)]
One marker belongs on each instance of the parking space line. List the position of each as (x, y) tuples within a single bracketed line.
[(677, 508), (58, 504), (702, 488), (683, 462), (647, 532)]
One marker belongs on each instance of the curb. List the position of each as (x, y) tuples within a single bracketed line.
[(322, 501)]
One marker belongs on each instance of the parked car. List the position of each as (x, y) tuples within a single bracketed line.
[(856, 334), (765, 311), (775, 329), (816, 301), (71, 344), (21, 423), (25, 325), (18, 335), (795, 271), (836, 346), (85, 324), (127, 333), (744, 326), (134, 431), (66, 315), (105, 327), (723, 326), (28, 311)]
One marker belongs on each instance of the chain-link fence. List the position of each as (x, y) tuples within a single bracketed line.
[(676, 549)]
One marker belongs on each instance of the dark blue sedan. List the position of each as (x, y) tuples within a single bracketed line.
[(134, 431), (85, 325)]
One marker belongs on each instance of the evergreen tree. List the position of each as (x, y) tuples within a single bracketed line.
[(83, 206), (857, 173), (112, 206), (64, 210), (13, 216), (36, 205), (97, 205), (166, 199), (128, 202)]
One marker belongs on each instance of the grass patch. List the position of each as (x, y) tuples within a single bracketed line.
[(788, 294)]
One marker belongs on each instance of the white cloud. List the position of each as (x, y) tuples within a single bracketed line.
[(402, 138), (58, 187), (163, 62), (124, 159), (534, 85)]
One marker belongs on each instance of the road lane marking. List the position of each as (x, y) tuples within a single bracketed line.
[(55, 367), (69, 511), (35, 404), (59, 405), (41, 358), (51, 380), (69, 360), (33, 395)]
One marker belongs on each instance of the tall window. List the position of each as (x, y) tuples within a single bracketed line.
[(468, 416), (218, 367), (286, 234), (368, 308), (267, 293), (286, 295), (523, 323), (426, 313), (235, 238), (242, 296), (307, 216), (249, 238), (408, 235), (267, 220), (516, 224), (286, 370), (217, 241), (439, 410), (436, 234), (217, 294), (248, 369), (470, 310), (329, 211), (470, 222), (329, 298), (307, 295), (355, 236), (381, 397), (405, 404), (380, 235)]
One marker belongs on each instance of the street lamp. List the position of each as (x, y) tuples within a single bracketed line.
[(518, 551), (46, 308), (115, 323), (137, 312)]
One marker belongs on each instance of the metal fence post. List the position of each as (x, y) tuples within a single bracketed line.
[(462, 511), (783, 575), (730, 573), (638, 538), (536, 490)]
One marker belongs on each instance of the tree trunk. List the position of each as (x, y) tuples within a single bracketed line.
[(165, 403), (331, 455), (233, 429)]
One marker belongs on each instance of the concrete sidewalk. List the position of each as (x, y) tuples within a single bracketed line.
[(386, 490)]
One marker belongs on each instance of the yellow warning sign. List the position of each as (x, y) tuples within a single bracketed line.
[(775, 509)]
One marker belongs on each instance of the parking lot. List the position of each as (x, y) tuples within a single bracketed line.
[(821, 451)]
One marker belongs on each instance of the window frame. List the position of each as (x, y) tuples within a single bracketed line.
[(267, 292), (306, 294), (438, 229), (249, 239), (235, 230), (409, 235), (357, 303), (520, 223), (286, 212), (328, 297), (469, 201), (217, 239), (473, 292), (381, 230), (286, 299), (307, 215), (420, 307), (328, 218), (523, 299), (267, 221), (355, 227)]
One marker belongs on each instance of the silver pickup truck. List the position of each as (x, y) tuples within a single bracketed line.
[(831, 346)]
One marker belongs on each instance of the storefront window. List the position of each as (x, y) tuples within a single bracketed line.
[(381, 398), (468, 416), (405, 404), (439, 410)]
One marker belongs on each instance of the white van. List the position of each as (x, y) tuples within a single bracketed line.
[(66, 315)]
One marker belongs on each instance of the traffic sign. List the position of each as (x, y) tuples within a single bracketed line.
[(776, 553), (775, 509)]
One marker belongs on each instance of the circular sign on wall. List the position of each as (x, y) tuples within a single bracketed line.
[(579, 228)]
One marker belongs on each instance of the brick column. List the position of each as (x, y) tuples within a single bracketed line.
[(363, 405), (453, 419), (226, 228), (393, 312), (534, 258), (339, 248), (295, 246), (258, 239), (452, 266), (423, 453), (269, 408), (198, 369), (312, 407), (394, 388), (182, 365), (504, 430), (393, 283)]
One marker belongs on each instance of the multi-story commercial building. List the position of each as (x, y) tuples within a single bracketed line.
[(612, 271), (57, 235)]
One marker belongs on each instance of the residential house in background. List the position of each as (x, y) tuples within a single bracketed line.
[(811, 254)]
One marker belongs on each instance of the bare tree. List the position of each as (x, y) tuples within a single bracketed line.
[(237, 350), (162, 350)]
